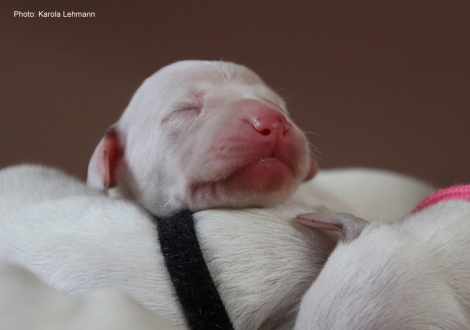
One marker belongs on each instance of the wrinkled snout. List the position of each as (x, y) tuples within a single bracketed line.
[(257, 157), (257, 130)]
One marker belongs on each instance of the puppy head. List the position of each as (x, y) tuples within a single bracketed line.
[(201, 134)]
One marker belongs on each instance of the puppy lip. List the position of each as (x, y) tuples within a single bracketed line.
[(261, 182), (236, 170), (254, 162)]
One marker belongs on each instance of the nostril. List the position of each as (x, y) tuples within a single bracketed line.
[(269, 124), (264, 131)]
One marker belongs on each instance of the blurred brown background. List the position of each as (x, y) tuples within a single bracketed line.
[(378, 83)]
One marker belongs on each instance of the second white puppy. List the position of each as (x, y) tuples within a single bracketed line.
[(202, 134), (412, 274)]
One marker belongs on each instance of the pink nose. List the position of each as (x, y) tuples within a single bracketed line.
[(270, 124)]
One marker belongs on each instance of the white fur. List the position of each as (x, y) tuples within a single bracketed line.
[(26, 303), (412, 274), (189, 134), (79, 240)]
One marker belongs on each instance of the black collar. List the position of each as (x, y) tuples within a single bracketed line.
[(196, 291)]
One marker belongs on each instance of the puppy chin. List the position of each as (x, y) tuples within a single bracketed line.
[(231, 202), (257, 185)]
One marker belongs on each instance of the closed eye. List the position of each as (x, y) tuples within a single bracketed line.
[(186, 111), (195, 109)]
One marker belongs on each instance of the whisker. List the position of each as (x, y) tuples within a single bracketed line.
[(167, 203), (315, 151), (312, 133)]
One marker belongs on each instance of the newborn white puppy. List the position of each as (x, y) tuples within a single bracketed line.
[(412, 274), (202, 134)]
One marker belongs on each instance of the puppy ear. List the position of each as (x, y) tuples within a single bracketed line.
[(347, 224), (102, 169), (312, 170)]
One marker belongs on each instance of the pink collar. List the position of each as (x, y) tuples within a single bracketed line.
[(456, 192)]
